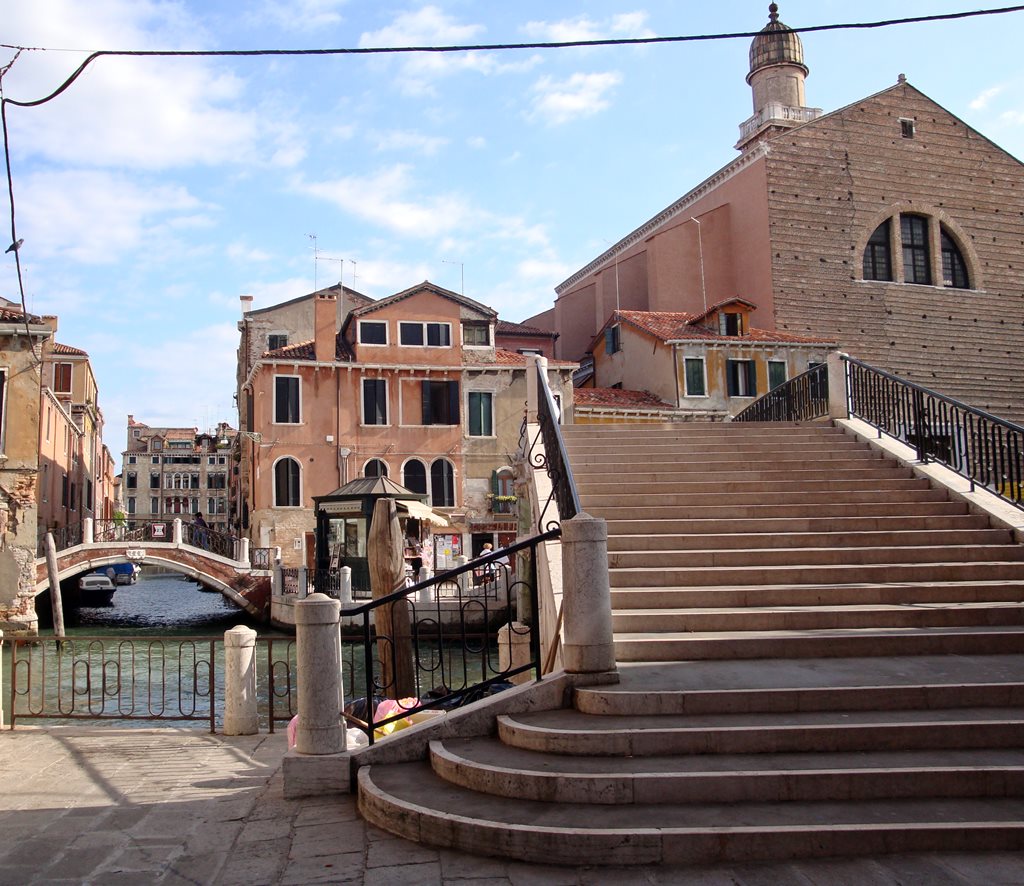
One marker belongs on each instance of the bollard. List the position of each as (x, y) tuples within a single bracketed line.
[(240, 714), (586, 600), (319, 729), (345, 586)]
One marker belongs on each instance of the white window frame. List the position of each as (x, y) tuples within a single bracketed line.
[(704, 369), (424, 327), (298, 379), (387, 467), (273, 482), (362, 403), (366, 344)]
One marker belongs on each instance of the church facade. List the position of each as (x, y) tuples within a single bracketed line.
[(889, 226)]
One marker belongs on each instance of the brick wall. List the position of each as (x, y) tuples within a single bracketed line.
[(830, 183)]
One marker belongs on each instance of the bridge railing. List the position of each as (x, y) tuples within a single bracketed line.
[(222, 543), (153, 679), (803, 398)]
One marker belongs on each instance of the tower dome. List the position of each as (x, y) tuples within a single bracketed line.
[(776, 45), (776, 78)]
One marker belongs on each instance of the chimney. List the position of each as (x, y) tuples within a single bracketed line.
[(246, 301), (325, 321)]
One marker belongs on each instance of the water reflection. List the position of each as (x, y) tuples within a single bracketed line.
[(158, 603)]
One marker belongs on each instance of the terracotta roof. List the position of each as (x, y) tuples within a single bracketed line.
[(503, 357), (618, 398), (425, 286), (507, 327), (305, 350), (16, 315), (68, 351), (671, 326)]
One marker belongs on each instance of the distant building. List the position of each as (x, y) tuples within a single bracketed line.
[(660, 366), (888, 225), (170, 473), (412, 387), (22, 337)]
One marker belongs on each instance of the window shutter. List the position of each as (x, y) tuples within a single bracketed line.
[(495, 486), (453, 402), (425, 387), (751, 378), (732, 378)]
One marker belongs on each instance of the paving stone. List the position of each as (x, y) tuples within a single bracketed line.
[(423, 874), (1000, 869), (393, 852), (345, 867)]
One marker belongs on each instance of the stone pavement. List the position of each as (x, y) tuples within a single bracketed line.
[(179, 806)]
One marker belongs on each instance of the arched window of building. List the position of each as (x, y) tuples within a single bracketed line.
[(287, 493), (954, 268), (414, 476), (442, 484), (878, 254), (375, 468), (917, 264)]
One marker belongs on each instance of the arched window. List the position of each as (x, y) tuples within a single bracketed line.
[(286, 484), (878, 254), (954, 268), (442, 484), (917, 265), (414, 476), (375, 468)]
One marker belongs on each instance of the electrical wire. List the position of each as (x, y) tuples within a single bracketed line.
[(382, 50)]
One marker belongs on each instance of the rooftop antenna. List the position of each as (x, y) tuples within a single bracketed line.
[(340, 261), (313, 238), (353, 263), (462, 273)]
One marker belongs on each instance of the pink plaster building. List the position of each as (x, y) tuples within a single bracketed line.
[(413, 387)]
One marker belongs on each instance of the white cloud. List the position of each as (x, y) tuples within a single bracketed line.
[(582, 27), (406, 140), (477, 142), (431, 26), (581, 95), (300, 15), (97, 217), (981, 101), (143, 113), (239, 252), (384, 198)]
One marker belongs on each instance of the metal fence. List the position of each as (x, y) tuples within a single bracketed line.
[(983, 448), (148, 679), (803, 398)]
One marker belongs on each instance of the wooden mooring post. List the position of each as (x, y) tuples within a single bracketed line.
[(55, 600)]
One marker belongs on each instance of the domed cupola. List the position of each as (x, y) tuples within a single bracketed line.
[(776, 79), (775, 45)]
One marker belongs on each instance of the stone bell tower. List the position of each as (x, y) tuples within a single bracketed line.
[(776, 78)]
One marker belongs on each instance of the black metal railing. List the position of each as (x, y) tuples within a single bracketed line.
[(803, 398), (552, 458), (151, 679), (446, 641), (262, 558), (983, 448), (222, 543)]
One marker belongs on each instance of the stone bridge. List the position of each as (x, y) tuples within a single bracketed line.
[(247, 587)]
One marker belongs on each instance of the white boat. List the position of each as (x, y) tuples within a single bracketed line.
[(95, 589)]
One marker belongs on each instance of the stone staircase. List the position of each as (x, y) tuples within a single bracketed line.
[(820, 654)]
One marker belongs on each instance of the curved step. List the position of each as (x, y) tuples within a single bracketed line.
[(488, 766), (573, 733), (411, 801)]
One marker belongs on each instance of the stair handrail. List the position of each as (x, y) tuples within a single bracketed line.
[(981, 447), (804, 397), (552, 458)]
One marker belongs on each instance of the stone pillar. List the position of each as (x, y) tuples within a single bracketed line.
[(277, 580), (586, 601), (345, 587), (88, 532), (514, 650), (465, 579), (243, 551), (426, 595), (302, 582), (176, 531), (319, 728), (838, 404), (240, 714), (531, 388)]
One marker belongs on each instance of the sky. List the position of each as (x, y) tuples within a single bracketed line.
[(154, 192)]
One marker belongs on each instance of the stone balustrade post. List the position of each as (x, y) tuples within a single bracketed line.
[(302, 582), (240, 713), (243, 552), (838, 401), (319, 729), (426, 595), (465, 579), (176, 531), (277, 581), (88, 531), (345, 587), (586, 602)]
